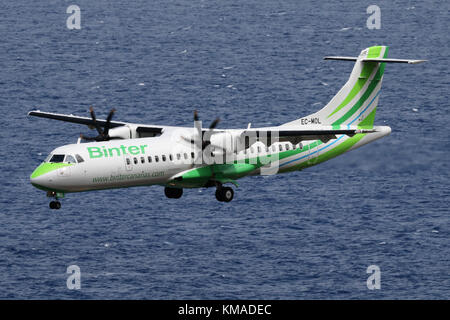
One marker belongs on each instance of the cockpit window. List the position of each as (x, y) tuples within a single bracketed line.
[(57, 158), (69, 159), (79, 158)]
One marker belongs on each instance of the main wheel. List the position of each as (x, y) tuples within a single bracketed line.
[(224, 194), (173, 193), (219, 194), (228, 194)]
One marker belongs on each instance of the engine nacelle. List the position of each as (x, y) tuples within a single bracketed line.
[(229, 141), (122, 132)]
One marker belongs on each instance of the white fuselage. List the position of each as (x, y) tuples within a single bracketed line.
[(157, 160)]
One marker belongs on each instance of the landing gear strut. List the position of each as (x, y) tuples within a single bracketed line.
[(224, 194), (173, 193)]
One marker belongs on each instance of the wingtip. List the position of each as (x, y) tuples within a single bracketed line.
[(416, 61)]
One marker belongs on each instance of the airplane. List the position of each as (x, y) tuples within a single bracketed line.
[(177, 158)]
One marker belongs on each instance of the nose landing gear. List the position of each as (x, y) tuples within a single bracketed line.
[(55, 204)]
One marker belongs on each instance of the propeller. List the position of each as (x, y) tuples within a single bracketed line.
[(201, 139), (102, 133)]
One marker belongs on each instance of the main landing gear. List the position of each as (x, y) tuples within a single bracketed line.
[(224, 194), (173, 193)]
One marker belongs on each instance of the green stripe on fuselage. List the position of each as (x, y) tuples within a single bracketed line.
[(334, 152)]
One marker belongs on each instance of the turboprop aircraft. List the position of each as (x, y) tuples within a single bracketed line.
[(129, 154)]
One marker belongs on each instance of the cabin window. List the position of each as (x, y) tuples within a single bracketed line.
[(192, 155), (185, 156), (259, 149), (56, 158), (79, 158), (178, 156), (156, 159), (142, 160), (163, 157), (128, 161), (149, 158), (287, 146), (135, 160), (170, 157), (280, 147)]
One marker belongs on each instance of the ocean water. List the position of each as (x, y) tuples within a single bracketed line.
[(304, 235)]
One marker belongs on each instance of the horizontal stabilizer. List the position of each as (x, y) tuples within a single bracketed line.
[(341, 58), (410, 61), (394, 60)]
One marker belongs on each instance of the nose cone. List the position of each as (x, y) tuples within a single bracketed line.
[(43, 176), (39, 177)]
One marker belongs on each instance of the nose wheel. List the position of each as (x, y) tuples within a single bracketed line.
[(55, 205), (224, 194)]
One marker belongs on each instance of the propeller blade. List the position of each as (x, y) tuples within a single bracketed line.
[(214, 124), (94, 118), (198, 128), (205, 144), (108, 122), (91, 110), (198, 141)]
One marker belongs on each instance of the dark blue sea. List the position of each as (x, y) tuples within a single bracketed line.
[(304, 235)]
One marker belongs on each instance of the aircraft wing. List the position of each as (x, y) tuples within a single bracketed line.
[(74, 119), (89, 122)]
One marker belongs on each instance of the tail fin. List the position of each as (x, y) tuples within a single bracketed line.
[(355, 104)]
